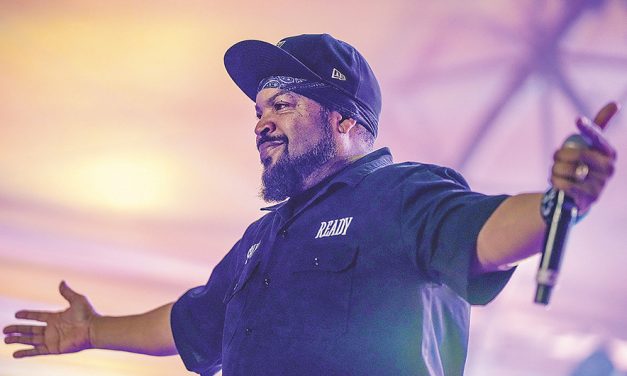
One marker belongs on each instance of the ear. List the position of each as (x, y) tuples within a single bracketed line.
[(346, 124)]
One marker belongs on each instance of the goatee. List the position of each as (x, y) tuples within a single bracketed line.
[(287, 176)]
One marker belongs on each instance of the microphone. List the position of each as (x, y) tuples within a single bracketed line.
[(561, 212)]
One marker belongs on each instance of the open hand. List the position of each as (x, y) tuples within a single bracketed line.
[(65, 332)]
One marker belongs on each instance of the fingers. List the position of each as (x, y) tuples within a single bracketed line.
[(40, 350), (70, 295), (568, 171), (593, 133), (581, 173), (588, 191), (26, 335), (34, 340), (42, 316), (597, 162), (584, 194), (24, 329)]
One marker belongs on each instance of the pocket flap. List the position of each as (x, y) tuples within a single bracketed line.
[(329, 260), (240, 282)]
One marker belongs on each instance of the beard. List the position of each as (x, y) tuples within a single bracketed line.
[(287, 176)]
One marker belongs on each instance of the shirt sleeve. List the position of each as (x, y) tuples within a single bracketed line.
[(197, 320), (441, 220)]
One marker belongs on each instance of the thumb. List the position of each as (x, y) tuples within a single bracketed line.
[(70, 295), (592, 133), (605, 114)]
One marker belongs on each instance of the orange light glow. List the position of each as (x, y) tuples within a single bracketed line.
[(125, 183)]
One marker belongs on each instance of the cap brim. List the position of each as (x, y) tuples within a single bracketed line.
[(250, 61)]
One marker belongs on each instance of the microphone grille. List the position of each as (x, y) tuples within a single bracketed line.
[(577, 141)]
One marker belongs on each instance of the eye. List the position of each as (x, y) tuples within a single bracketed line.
[(258, 115), (278, 106)]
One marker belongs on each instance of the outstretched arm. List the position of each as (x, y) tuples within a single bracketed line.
[(79, 328), (516, 229)]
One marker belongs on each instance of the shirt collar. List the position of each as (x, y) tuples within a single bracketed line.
[(352, 174), (355, 172)]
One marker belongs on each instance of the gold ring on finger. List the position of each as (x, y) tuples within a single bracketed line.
[(581, 172)]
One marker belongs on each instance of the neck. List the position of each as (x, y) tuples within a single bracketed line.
[(328, 169)]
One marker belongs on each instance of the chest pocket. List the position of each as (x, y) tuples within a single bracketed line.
[(318, 293)]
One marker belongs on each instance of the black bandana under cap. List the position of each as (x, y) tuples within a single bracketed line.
[(287, 83), (324, 94)]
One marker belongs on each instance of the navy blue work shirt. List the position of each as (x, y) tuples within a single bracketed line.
[(365, 274)]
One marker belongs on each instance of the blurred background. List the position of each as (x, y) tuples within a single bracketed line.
[(128, 165)]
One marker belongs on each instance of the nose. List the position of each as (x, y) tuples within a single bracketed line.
[(265, 125)]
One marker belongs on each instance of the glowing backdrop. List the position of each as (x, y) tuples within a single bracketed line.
[(128, 166)]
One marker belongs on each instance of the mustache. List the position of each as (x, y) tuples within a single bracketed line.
[(265, 138)]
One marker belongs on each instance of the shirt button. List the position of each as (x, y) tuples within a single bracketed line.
[(316, 261), (248, 331), (283, 233), (266, 281)]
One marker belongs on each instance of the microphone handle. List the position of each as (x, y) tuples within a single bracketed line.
[(563, 216)]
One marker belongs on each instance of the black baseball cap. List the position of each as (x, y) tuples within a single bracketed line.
[(313, 57)]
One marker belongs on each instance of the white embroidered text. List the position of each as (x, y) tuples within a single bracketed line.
[(334, 227)]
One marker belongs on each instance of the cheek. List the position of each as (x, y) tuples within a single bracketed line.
[(303, 131), (300, 144), (306, 138)]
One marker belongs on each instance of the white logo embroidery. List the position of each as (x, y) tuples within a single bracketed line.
[(280, 44), (251, 251), (338, 75), (334, 227)]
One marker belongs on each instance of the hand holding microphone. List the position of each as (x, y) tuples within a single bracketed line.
[(582, 166)]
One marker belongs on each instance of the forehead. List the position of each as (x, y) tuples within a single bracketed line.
[(267, 97)]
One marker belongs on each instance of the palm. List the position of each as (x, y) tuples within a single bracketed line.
[(64, 332), (68, 331)]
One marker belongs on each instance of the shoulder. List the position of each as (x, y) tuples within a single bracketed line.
[(416, 173)]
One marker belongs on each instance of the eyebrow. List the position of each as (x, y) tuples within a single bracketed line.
[(272, 98)]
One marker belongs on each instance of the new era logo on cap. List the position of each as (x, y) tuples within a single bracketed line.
[(338, 75), (280, 44)]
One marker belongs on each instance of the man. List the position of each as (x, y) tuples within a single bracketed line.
[(368, 268)]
